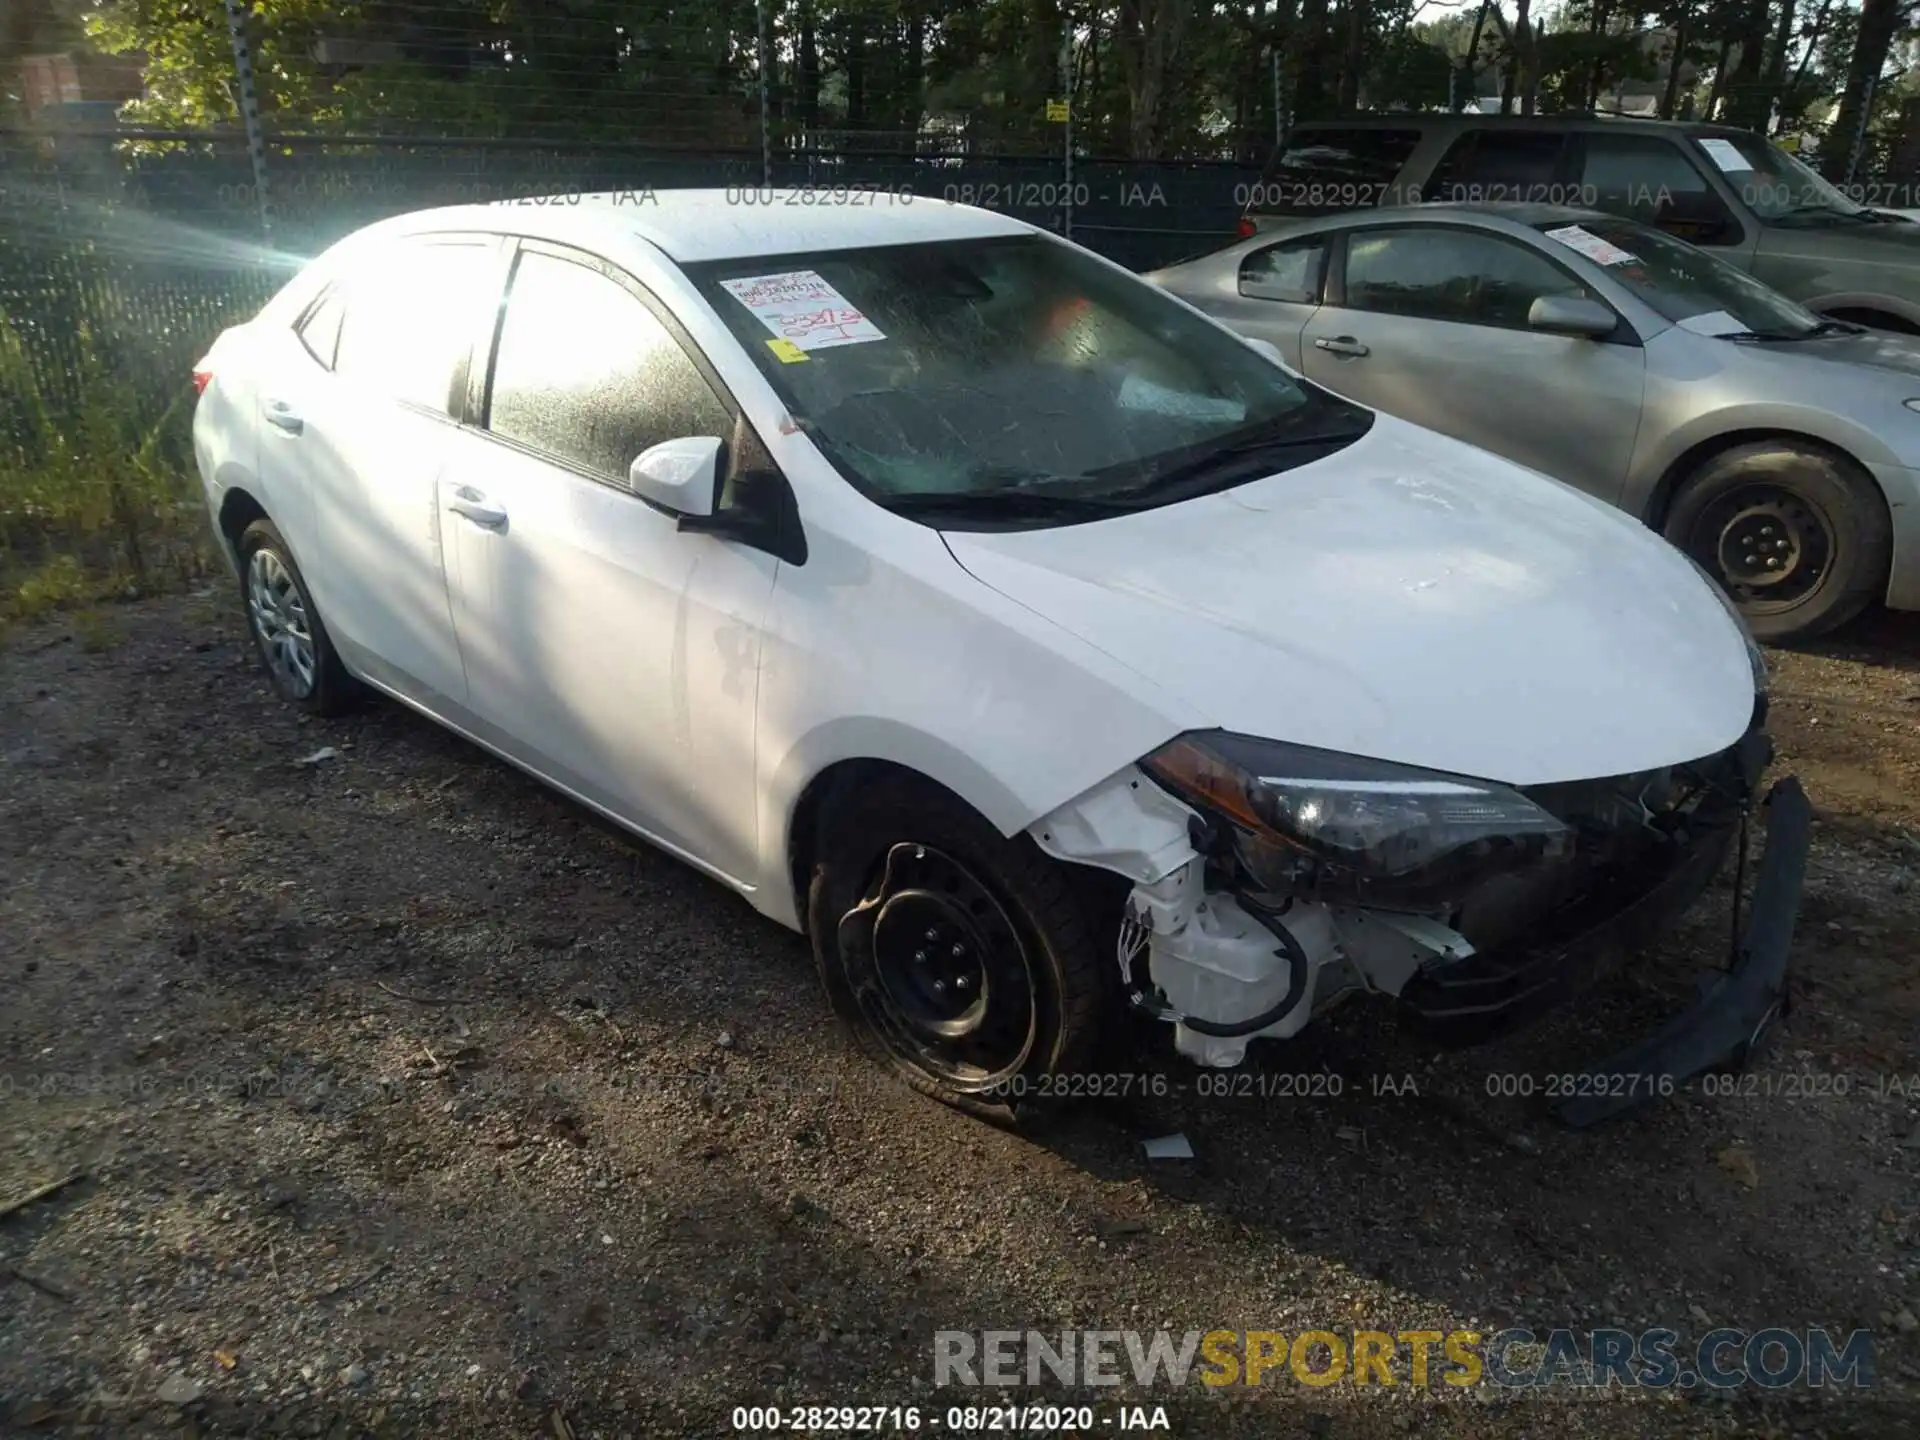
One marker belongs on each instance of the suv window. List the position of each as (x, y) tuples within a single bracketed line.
[(1652, 180), (586, 372), (410, 318), (1334, 169), (320, 330), (1501, 165), (1435, 273), (1288, 271)]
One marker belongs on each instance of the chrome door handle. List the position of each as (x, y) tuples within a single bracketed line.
[(279, 413), (1341, 345), (476, 507)]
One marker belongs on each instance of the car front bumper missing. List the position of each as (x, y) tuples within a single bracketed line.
[(1724, 1027)]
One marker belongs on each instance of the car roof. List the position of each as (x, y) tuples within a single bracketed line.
[(732, 223), (1516, 213), (1573, 120)]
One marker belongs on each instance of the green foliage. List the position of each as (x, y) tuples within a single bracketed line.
[(94, 495)]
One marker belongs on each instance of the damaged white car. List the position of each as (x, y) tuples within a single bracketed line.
[(1034, 644)]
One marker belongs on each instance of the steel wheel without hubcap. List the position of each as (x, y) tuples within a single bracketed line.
[(950, 986), (280, 621), (1771, 547)]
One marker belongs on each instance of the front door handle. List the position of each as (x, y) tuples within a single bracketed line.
[(476, 507), (1341, 345), (283, 416)]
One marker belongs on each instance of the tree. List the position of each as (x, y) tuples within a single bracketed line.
[(1879, 19)]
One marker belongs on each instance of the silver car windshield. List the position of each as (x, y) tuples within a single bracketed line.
[(1687, 285), (1013, 369), (1774, 185)]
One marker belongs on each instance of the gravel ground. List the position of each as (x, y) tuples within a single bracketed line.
[(404, 1096)]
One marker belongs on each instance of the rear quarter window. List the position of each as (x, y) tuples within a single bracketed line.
[(1324, 170)]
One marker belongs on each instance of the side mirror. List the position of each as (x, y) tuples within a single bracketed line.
[(1268, 349), (1571, 315), (681, 477)]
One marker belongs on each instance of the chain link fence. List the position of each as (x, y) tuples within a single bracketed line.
[(129, 250)]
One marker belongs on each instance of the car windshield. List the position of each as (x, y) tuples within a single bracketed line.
[(1018, 379), (1695, 290), (1774, 185)]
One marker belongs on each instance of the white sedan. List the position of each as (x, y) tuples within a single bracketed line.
[(1025, 638)]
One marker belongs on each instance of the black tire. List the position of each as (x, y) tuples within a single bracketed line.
[(902, 859), (1798, 536), (328, 689)]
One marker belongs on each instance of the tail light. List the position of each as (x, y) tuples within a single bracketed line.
[(1246, 228), (202, 377)]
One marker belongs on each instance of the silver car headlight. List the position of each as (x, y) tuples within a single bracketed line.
[(1755, 655)]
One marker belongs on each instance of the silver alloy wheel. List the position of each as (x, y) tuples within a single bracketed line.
[(280, 620)]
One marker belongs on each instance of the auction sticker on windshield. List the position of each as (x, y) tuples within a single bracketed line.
[(1726, 155), (1592, 246), (803, 310)]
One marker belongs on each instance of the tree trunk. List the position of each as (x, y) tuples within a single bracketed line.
[(1470, 66), (1353, 65), (1669, 97), (1148, 36), (1526, 64), (1813, 44), (1248, 85), (1774, 81), (1306, 83), (1905, 159), (1842, 150), (856, 63), (1597, 77), (1719, 80), (912, 72), (807, 86), (1747, 105)]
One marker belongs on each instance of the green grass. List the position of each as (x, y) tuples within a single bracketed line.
[(96, 493)]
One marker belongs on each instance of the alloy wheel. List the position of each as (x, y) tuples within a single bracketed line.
[(279, 614)]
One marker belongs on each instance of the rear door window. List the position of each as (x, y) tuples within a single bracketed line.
[(1288, 271), (1503, 166), (1328, 169), (319, 331), (412, 314)]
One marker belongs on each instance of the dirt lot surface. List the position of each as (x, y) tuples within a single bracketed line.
[(407, 1098)]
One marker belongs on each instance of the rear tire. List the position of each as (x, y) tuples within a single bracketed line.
[(287, 630), (1799, 537), (959, 959)]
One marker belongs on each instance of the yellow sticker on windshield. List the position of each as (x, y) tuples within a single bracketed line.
[(789, 353)]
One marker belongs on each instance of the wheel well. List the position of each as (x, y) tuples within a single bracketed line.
[(1874, 319), (237, 511), (801, 832), (1662, 498), (1101, 890)]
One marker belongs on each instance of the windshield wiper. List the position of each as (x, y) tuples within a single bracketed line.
[(1239, 459), (1865, 217), (1011, 502), (1782, 337)]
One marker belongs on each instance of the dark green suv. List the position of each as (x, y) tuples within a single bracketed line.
[(1730, 191)]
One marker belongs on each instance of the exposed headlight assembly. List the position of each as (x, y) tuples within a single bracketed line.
[(1348, 829), (1755, 655)]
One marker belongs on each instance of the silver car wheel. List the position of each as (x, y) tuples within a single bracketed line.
[(280, 621)]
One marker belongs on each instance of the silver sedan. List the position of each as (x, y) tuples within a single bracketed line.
[(1780, 450)]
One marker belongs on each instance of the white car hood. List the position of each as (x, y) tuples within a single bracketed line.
[(1409, 598)]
